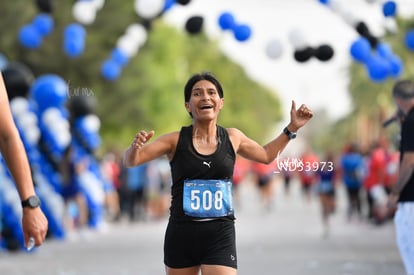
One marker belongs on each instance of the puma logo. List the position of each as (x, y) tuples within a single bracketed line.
[(207, 163)]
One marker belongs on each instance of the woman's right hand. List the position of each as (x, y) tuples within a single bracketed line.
[(141, 138)]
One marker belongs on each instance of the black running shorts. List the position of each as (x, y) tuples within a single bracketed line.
[(194, 243)]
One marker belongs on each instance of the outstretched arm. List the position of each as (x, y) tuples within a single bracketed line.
[(140, 151), (250, 149)]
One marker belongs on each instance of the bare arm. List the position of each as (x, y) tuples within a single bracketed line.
[(250, 149), (404, 174), (140, 151), (12, 149)]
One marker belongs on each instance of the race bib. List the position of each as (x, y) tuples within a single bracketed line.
[(208, 198)]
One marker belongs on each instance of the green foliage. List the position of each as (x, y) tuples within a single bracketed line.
[(149, 92)]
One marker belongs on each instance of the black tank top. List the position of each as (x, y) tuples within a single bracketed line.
[(187, 163), (407, 145)]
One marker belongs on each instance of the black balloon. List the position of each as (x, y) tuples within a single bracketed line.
[(194, 24), (362, 29), (304, 55), (81, 105), (147, 23), (183, 2), (45, 5), (324, 52), (17, 78), (373, 41)]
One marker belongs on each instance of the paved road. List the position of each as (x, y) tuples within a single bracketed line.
[(285, 240)]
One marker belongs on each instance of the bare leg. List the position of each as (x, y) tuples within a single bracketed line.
[(182, 271), (217, 270)]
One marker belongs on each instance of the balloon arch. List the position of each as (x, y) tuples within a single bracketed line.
[(379, 64)]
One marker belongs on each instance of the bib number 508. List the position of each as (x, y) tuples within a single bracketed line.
[(206, 199)]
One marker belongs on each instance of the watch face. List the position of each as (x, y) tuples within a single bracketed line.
[(292, 135), (33, 202)]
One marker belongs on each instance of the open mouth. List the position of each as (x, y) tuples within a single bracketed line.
[(206, 107)]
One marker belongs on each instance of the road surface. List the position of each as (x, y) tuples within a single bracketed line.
[(286, 239)]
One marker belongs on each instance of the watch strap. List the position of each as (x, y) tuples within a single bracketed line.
[(291, 135), (31, 202)]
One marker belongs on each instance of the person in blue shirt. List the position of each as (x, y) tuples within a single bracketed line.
[(352, 165), (136, 180)]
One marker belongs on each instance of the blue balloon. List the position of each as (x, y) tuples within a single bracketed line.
[(384, 50), (43, 24), (378, 68), (361, 50), (226, 21), (74, 40), (325, 2), (55, 224), (74, 47), (74, 30), (242, 32), (29, 37), (169, 4), (89, 137), (409, 39), (110, 70), (119, 57), (389, 8), (93, 140), (49, 91), (396, 66)]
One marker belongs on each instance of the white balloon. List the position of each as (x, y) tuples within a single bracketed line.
[(350, 18), (51, 116), (92, 185), (92, 123), (298, 39), (127, 45), (148, 8), (19, 105), (62, 125), (84, 12), (337, 6), (390, 24), (274, 49), (62, 139), (138, 33), (32, 135), (27, 120), (98, 4)]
